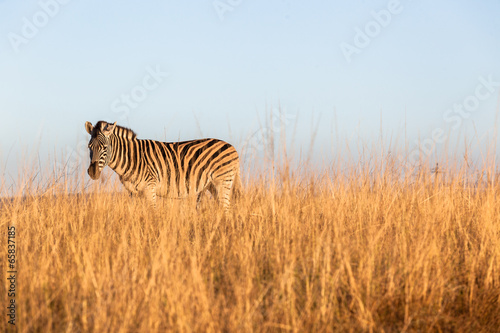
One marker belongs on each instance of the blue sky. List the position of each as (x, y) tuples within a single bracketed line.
[(231, 61)]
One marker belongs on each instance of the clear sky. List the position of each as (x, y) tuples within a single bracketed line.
[(177, 70)]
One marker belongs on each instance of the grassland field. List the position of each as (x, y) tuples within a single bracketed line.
[(367, 250)]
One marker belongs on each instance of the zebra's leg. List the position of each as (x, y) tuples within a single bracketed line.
[(222, 188), (210, 187), (198, 199), (213, 191), (150, 192)]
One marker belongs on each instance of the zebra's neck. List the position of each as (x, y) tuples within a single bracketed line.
[(123, 154)]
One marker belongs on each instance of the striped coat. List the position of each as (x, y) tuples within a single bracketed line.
[(170, 169)]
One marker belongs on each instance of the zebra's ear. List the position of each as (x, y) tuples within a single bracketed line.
[(89, 127), (109, 129)]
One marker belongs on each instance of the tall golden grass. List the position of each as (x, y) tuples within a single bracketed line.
[(378, 248)]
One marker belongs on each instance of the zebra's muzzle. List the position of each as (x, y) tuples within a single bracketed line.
[(94, 171)]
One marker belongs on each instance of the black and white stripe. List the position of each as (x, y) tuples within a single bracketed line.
[(170, 169)]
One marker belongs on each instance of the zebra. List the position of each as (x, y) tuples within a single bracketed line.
[(169, 169)]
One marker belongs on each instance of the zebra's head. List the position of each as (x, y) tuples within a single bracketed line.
[(99, 146)]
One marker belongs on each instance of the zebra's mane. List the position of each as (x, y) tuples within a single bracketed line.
[(120, 131), (125, 132)]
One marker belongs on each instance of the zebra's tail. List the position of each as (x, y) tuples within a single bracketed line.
[(237, 186)]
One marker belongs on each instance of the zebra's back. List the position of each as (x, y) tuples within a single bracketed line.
[(187, 168)]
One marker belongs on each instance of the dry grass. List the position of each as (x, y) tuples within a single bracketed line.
[(362, 251)]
